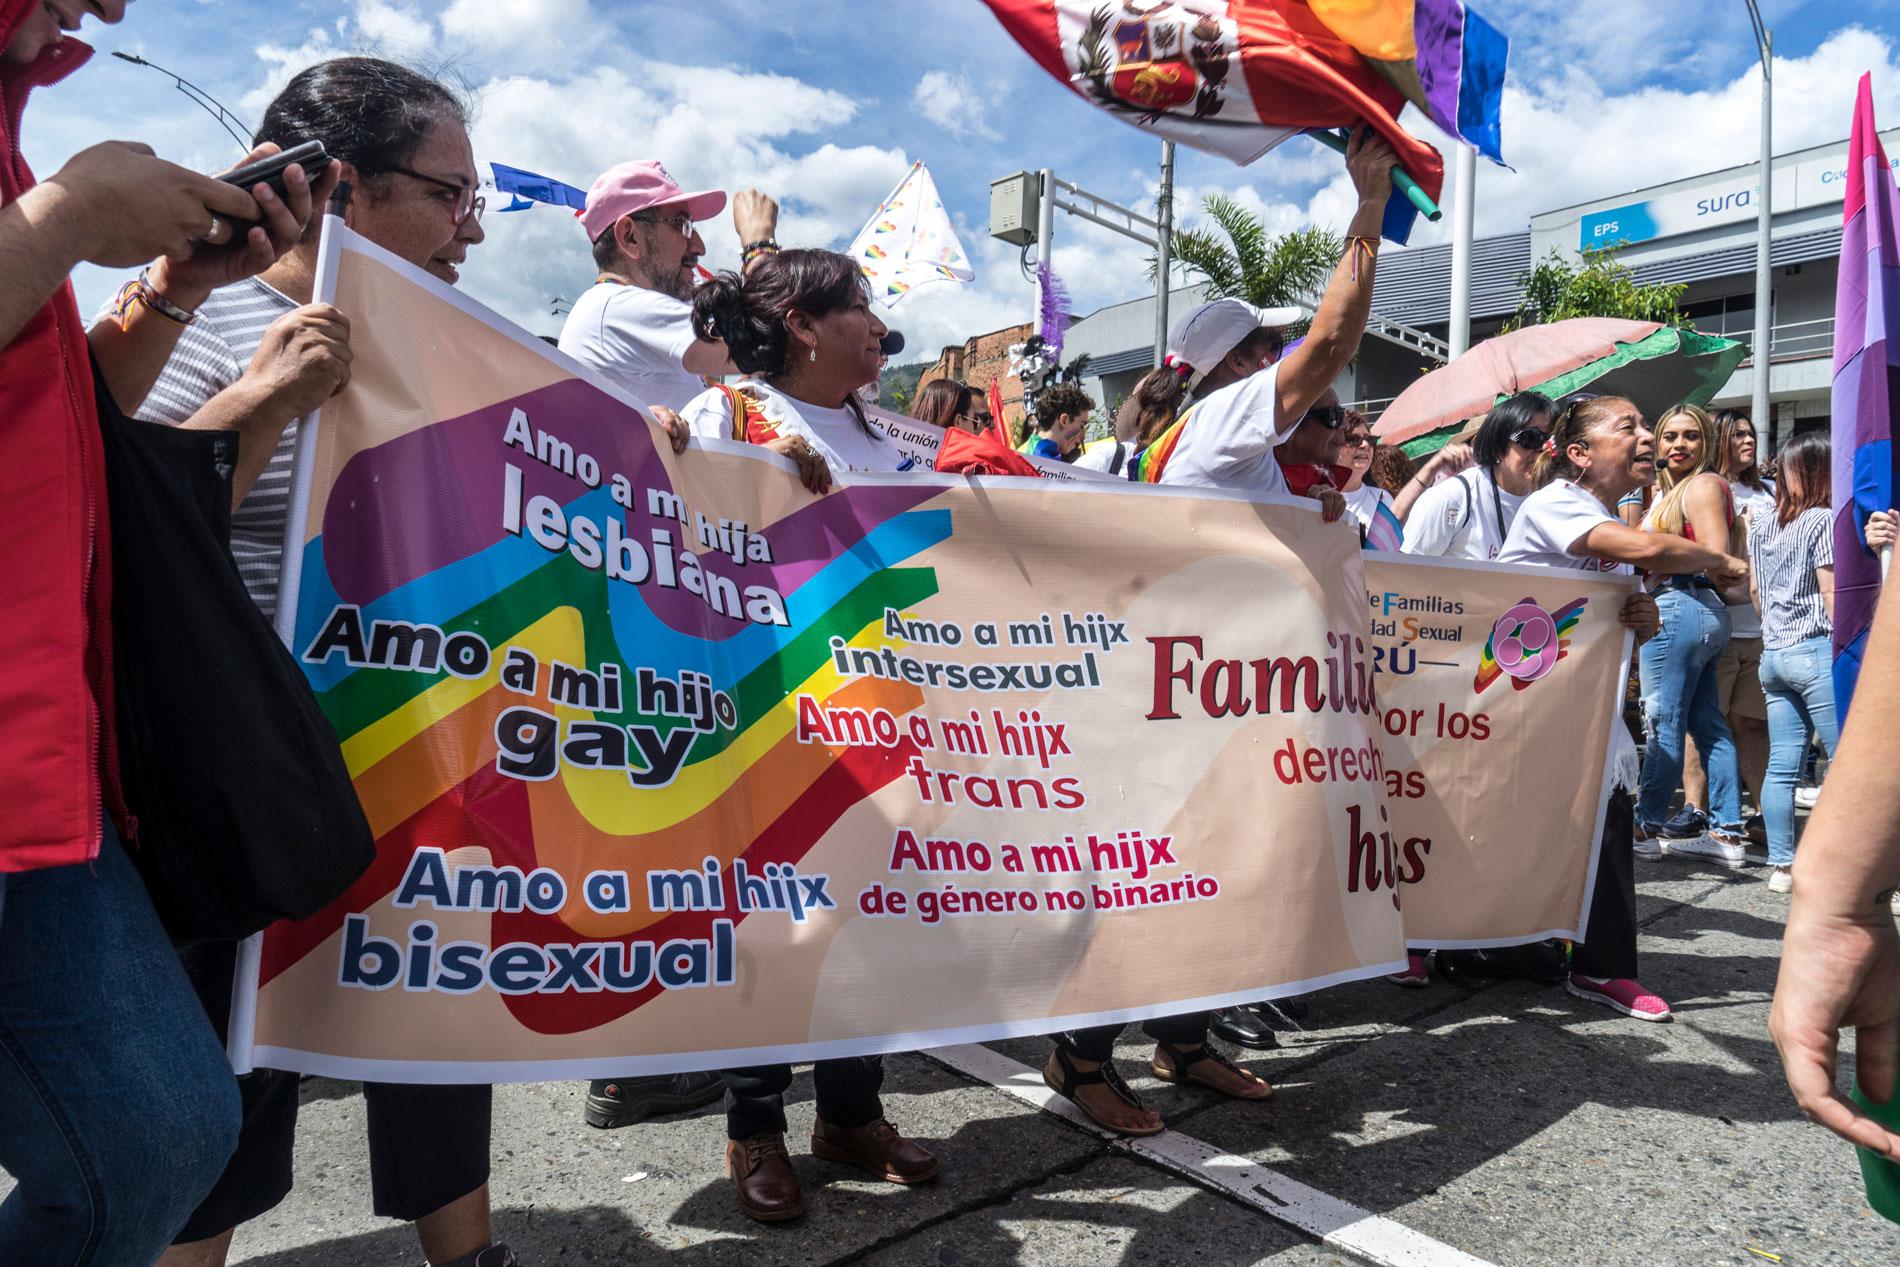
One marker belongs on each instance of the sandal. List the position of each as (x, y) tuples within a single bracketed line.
[(1181, 1065), (1073, 1078)]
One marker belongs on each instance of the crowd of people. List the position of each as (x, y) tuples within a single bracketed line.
[(218, 331)]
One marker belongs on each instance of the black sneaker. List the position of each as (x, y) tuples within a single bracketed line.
[(615, 1102), (1688, 824)]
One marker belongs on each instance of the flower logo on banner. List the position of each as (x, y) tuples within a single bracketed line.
[(1526, 642)]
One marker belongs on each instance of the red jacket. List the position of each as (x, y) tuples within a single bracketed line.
[(963, 453), (57, 747)]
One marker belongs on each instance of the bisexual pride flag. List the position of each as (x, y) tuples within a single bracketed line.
[(1865, 367)]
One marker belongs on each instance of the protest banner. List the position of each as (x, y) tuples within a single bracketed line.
[(673, 765)]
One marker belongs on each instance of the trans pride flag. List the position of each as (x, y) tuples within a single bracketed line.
[(1866, 362)]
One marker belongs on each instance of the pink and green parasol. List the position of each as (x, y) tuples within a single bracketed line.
[(1653, 364)]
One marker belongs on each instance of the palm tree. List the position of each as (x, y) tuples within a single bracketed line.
[(1243, 261)]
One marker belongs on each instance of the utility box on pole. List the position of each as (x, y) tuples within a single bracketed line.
[(1013, 208)]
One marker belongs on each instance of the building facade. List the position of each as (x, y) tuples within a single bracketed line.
[(982, 361)]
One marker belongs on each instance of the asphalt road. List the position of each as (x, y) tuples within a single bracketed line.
[(1508, 1123)]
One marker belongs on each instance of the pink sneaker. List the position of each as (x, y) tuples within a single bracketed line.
[(1415, 977), (1626, 994)]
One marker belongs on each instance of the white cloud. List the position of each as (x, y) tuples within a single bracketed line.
[(524, 28), (394, 27), (950, 102)]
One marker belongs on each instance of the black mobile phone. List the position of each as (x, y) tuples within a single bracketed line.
[(270, 169)]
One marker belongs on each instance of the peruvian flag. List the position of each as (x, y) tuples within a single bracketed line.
[(1233, 78)]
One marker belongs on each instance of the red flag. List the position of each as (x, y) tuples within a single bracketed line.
[(996, 411), (1231, 77)]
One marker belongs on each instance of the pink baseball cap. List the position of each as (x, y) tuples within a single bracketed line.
[(629, 187)]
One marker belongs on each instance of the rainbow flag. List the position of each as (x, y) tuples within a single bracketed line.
[(1153, 460), (1866, 364), (1439, 54)]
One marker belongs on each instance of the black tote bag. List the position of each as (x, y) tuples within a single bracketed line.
[(245, 810)]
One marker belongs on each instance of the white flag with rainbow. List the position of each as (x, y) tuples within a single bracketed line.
[(909, 241)]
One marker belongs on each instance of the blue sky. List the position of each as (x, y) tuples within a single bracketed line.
[(825, 105)]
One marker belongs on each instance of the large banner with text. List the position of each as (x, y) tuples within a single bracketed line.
[(673, 765)]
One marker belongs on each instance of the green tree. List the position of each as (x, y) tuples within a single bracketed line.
[(1238, 259), (1597, 287)]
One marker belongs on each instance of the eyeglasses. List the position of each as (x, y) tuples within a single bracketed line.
[(1529, 437), (1359, 438), (683, 223), (1331, 417), (467, 202)]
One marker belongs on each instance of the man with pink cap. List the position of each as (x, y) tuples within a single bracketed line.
[(634, 324)]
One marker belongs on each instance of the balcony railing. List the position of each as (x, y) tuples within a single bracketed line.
[(1792, 340)]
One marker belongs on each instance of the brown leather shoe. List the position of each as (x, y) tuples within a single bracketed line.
[(763, 1174), (877, 1148)]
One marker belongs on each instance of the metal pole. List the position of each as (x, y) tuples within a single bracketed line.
[(1045, 230), (1464, 192), (1764, 226), (1164, 249)]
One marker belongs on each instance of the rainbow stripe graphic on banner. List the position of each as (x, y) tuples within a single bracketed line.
[(738, 786)]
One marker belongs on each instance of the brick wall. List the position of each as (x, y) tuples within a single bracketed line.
[(982, 361)]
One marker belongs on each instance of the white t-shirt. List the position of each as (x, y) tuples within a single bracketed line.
[(1101, 456), (834, 433), (1227, 440), (1549, 525), (1456, 518), (1757, 505), (635, 338), (1364, 501)]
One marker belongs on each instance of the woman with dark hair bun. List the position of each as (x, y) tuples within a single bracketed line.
[(801, 321), (1599, 449)]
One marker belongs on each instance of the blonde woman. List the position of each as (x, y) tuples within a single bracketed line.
[(1679, 665)]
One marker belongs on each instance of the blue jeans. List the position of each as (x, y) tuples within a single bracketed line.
[(1679, 698), (1799, 684), (117, 1109)]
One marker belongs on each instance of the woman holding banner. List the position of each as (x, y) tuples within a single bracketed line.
[(1599, 450), (256, 354), (801, 321)]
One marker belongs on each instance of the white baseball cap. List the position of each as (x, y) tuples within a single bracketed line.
[(1201, 338)]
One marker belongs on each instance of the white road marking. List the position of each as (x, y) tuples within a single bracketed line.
[(1338, 1224)]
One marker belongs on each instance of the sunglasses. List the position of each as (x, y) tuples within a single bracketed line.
[(1529, 437), (1331, 417), (1360, 438)]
